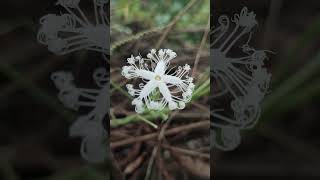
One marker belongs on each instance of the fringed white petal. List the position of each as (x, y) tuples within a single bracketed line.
[(158, 81)]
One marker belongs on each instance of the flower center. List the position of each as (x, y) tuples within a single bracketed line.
[(158, 78)]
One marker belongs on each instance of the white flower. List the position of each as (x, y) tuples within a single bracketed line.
[(186, 67), (175, 89), (154, 105), (131, 60)]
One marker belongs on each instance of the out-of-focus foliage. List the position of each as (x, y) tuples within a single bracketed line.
[(154, 13), (165, 11)]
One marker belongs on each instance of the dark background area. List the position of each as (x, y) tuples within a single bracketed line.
[(34, 125), (285, 143)]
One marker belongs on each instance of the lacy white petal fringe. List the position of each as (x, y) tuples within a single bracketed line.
[(162, 87)]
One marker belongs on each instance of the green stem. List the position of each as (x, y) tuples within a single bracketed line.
[(148, 122), (116, 86)]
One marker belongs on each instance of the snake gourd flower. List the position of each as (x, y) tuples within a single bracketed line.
[(162, 87)]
